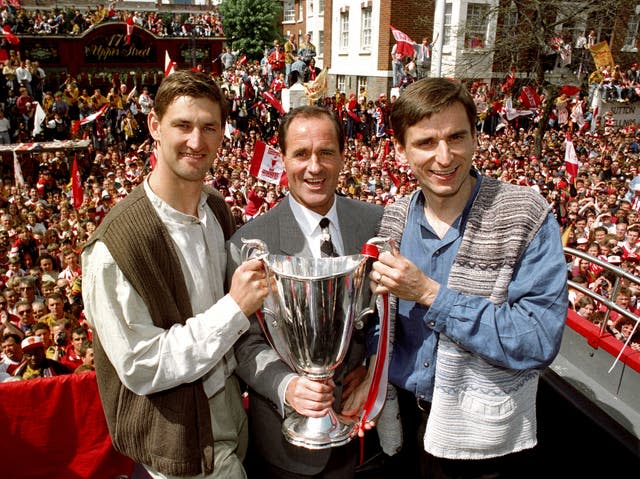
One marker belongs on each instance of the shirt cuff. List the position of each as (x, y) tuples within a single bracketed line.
[(437, 314), (285, 407)]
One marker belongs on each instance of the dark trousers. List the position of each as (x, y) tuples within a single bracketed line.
[(341, 465), (413, 461)]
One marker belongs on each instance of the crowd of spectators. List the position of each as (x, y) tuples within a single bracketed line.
[(75, 21), (42, 233)]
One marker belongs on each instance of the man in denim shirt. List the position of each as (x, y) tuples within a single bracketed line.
[(479, 298)]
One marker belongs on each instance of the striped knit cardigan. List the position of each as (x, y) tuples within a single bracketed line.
[(479, 410)]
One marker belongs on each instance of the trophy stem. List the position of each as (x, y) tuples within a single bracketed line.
[(317, 432)]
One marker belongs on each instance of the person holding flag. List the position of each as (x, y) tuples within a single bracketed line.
[(403, 48), (313, 148)]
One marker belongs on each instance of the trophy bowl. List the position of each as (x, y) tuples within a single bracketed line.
[(308, 319)]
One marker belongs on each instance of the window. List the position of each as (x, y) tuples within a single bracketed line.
[(365, 32), (344, 30), (631, 36), (362, 85), (340, 83), (476, 25), (448, 31), (320, 48), (320, 7), (289, 11)]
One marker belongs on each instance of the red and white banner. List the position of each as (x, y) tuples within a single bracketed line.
[(127, 37), (267, 164), (93, 116), (529, 97), (169, 65), (404, 44), (570, 157), (274, 102), (76, 185)]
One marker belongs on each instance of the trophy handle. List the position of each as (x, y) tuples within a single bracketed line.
[(253, 248), (371, 250)]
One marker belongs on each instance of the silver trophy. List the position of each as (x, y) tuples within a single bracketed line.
[(308, 319)]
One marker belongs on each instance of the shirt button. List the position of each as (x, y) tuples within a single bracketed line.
[(432, 324), (437, 253), (426, 364)]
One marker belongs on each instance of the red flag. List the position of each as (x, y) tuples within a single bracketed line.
[(169, 65), (127, 37), (404, 44), (509, 81), (76, 185), (529, 97), (569, 90), (273, 101), (267, 164), (11, 38), (570, 157)]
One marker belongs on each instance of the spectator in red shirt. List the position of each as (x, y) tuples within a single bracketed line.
[(73, 358)]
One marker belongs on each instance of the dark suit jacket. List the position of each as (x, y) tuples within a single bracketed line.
[(258, 365)]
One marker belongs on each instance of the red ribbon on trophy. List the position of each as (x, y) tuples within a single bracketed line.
[(378, 388)]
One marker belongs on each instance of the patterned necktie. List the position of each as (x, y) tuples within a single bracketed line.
[(326, 246)]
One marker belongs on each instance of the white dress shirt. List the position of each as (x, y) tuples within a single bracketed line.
[(309, 223), (147, 358)]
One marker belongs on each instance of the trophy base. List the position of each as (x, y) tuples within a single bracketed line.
[(317, 432)]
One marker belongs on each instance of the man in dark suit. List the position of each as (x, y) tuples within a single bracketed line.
[(312, 144)]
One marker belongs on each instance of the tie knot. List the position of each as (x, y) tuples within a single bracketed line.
[(324, 223)]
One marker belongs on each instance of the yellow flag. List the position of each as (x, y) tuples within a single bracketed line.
[(314, 90), (602, 55)]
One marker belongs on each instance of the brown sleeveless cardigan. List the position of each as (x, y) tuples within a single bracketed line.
[(169, 430)]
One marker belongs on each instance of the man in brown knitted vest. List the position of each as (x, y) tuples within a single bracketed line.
[(154, 292)]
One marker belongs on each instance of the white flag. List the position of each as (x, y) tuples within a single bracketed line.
[(17, 170), (38, 118)]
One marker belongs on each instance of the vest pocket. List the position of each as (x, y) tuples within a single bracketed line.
[(486, 406)]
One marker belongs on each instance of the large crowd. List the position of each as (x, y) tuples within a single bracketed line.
[(42, 232), (75, 21)]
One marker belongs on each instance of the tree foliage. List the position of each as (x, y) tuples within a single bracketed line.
[(250, 25)]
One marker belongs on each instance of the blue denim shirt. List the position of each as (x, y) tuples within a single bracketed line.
[(523, 333)]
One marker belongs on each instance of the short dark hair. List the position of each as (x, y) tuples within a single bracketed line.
[(309, 112), (426, 97), (188, 83)]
